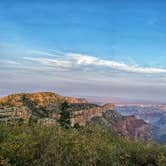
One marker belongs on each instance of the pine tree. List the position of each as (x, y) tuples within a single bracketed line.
[(65, 116)]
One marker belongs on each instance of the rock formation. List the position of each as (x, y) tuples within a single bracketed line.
[(45, 107), (127, 126), (74, 100)]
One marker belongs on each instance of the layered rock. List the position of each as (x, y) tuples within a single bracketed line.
[(37, 105), (85, 115), (154, 114), (126, 126), (74, 100), (45, 107), (26, 105), (15, 113)]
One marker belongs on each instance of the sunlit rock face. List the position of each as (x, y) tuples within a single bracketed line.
[(85, 115), (74, 100), (26, 105)]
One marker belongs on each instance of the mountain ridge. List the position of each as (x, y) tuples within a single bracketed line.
[(45, 106)]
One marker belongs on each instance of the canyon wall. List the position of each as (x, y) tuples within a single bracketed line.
[(45, 108), (83, 116)]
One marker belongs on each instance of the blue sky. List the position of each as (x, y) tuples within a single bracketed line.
[(98, 48)]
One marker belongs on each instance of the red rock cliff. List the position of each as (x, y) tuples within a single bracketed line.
[(85, 115), (127, 126), (74, 100)]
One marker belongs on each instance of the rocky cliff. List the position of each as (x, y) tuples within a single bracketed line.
[(74, 100), (34, 105), (46, 106), (154, 114), (127, 125), (38, 105), (84, 115)]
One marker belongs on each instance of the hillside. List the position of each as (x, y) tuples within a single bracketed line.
[(41, 145), (41, 99), (125, 126), (46, 106), (37, 105)]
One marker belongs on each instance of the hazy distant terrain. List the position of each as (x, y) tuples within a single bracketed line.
[(155, 115)]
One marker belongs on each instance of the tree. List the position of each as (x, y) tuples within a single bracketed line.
[(64, 119), (77, 126)]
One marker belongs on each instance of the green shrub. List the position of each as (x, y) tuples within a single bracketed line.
[(91, 145)]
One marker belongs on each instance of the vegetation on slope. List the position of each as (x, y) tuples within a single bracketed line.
[(62, 145), (34, 144), (40, 99)]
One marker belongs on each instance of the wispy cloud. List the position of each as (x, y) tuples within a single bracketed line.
[(51, 62), (9, 62), (72, 60), (12, 63), (81, 74), (39, 52)]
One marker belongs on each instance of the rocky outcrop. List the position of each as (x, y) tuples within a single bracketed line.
[(154, 114), (23, 113), (137, 128), (45, 108), (40, 99), (26, 105), (126, 126), (85, 115), (74, 100)]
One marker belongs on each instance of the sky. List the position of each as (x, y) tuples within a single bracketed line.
[(100, 48)]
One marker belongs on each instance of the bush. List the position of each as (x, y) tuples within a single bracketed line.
[(34, 144)]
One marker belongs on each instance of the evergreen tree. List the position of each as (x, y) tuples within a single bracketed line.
[(65, 116)]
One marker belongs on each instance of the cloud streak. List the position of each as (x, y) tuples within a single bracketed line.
[(13, 63), (74, 60), (90, 60), (50, 62), (43, 53)]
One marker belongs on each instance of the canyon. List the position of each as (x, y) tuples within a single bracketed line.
[(153, 114), (45, 107)]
